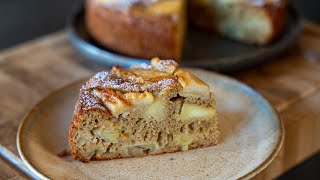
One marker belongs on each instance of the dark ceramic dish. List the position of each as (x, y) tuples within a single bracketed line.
[(201, 49)]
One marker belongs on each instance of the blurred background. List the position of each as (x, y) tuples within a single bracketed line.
[(28, 19)]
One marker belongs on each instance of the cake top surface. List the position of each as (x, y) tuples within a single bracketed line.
[(126, 3), (167, 4), (120, 89), (159, 7), (152, 78), (252, 2)]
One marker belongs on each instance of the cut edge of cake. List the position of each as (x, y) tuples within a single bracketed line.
[(250, 22)]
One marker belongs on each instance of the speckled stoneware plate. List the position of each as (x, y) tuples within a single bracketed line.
[(201, 49), (251, 136)]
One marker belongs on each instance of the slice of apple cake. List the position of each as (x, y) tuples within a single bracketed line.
[(147, 109)]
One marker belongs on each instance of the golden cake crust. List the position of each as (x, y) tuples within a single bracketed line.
[(132, 32), (278, 18)]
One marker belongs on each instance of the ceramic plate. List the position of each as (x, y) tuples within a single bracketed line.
[(251, 136), (201, 49)]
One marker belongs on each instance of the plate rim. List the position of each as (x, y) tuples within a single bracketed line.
[(249, 175), (102, 55), (26, 118)]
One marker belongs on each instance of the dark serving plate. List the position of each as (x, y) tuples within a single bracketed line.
[(201, 49)]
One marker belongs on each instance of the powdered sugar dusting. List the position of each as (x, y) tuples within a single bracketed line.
[(141, 66), (140, 79), (89, 101), (165, 83), (167, 63), (132, 80), (107, 80), (167, 66)]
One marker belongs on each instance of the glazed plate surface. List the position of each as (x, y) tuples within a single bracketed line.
[(251, 137)]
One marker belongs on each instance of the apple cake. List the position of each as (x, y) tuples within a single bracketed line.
[(249, 21), (156, 28), (139, 28), (144, 110)]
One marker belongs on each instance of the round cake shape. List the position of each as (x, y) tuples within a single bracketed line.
[(138, 29)]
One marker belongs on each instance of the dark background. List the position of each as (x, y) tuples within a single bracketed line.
[(23, 20)]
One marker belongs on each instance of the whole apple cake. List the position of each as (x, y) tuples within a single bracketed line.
[(147, 109), (149, 28)]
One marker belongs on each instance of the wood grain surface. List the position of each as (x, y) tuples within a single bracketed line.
[(291, 83), (8, 171)]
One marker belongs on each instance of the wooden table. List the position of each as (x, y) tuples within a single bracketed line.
[(291, 83)]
